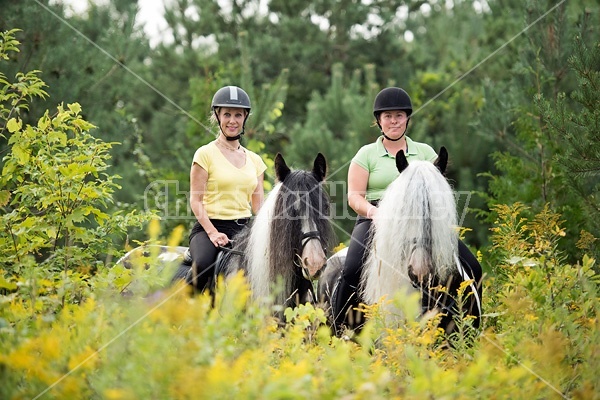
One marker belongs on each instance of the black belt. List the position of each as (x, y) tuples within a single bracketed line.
[(239, 221)]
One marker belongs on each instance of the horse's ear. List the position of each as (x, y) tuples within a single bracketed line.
[(401, 161), (281, 168), (442, 161), (320, 167)]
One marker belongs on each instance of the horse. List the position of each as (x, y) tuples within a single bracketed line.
[(285, 244), (413, 246)]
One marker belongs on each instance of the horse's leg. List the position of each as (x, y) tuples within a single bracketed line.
[(473, 271), (305, 292)]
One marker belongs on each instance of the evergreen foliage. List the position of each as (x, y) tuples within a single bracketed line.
[(539, 158), (340, 121), (474, 87), (578, 127)]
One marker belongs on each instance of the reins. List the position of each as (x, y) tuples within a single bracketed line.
[(231, 250)]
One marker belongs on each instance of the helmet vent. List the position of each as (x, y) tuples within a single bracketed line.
[(233, 94)]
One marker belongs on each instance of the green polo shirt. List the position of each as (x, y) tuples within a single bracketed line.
[(381, 165)]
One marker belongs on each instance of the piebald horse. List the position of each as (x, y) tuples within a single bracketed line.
[(413, 246)]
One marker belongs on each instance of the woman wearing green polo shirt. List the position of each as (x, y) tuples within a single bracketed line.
[(371, 170)]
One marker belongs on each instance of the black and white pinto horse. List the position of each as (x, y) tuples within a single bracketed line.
[(413, 247), (283, 249), (288, 239)]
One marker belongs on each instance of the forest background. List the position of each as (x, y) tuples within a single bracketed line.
[(476, 71), (511, 88)]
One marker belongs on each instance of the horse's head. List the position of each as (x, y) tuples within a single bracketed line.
[(303, 206), (420, 206), (415, 245)]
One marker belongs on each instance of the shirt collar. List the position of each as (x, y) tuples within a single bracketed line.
[(383, 152)]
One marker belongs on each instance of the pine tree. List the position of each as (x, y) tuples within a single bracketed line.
[(578, 128), (337, 124), (537, 138)]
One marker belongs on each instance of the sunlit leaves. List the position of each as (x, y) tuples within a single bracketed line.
[(55, 191)]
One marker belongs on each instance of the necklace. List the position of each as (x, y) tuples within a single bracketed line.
[(229, 147)]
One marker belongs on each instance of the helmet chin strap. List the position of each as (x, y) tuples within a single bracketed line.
[(233, 138), (390, 139)]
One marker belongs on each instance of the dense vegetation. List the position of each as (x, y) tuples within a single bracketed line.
[(95, 125)]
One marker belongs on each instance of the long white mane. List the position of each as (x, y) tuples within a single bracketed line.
[(416, 225), (258, 253)]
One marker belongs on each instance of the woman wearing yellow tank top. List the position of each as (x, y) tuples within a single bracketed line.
[(226, 183)]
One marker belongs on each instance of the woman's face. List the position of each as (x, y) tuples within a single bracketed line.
[(232, 120), (393, 123)]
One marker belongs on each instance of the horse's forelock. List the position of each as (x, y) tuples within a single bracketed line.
[(302, 197)]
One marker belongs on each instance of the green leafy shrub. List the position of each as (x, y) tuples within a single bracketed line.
[(56, 197)]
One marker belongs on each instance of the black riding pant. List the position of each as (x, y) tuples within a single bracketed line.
[(346, 293), (203, 251)]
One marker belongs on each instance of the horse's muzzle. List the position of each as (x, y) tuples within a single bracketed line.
[(308, 275)]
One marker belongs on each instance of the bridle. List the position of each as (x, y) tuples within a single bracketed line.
[(307, 237)]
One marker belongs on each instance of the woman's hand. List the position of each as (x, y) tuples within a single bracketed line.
[(372, 212), (218, 239)]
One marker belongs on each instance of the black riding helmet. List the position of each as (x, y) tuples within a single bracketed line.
[(392, 98), (233, 97)]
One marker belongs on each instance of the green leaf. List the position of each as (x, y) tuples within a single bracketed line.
[(43, 123), (4, 197), (77, 215), (57, 136), (21, 154), (75, 108), (4, 284), (83, 125), (13, 125)]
